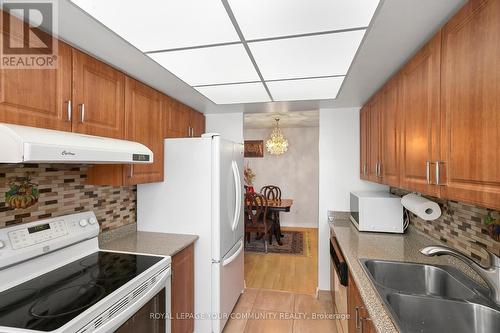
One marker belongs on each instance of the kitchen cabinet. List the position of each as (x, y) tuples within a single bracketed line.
[(183, 290), (359, 320), (144, 112), (183, 121), (37, 97), (420, 118), (363, 126), (389, 132), (470, 87), (374, 158), (98, 97), (141, 321)]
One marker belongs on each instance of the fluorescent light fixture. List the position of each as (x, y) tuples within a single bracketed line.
[(306, 89), (276, 18), (311, 56), (209, 65), (236, 93), (161, 24)]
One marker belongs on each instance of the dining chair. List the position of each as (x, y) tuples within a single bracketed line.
[(273, 192), (256, 219)]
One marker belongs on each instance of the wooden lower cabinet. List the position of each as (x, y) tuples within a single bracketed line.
[(359, 321), (183, 290), (141, 321)]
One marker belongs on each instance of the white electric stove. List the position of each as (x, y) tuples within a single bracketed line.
[(54, 278)]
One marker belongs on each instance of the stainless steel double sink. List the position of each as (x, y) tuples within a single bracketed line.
[(426, 298)]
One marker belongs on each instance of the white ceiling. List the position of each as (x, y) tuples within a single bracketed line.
[(287, 119), (278, 40), (398, 29)]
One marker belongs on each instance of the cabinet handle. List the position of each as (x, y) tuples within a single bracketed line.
[(356, 318), (428, 171), (364, 169), (69, 111), (189, 131), (82, 113), (131, 171), (379, 169), (438, 172)]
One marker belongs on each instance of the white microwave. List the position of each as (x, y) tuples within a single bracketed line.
[(377, 212)]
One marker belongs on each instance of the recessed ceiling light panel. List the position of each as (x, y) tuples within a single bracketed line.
[(209, 65), (300, 57), (299, 90), (277, 18), (159, 24), (236, 93)]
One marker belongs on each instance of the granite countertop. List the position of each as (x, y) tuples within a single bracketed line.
[(131, 240), (368, 245)]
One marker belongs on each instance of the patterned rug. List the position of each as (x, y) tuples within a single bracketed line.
[(294, 242)]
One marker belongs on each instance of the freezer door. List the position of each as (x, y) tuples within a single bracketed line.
[(227, 285), (228, 219)]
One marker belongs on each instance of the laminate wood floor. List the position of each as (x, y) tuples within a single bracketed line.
[(297, 274)]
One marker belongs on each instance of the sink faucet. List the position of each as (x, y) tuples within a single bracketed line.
[(490, 274)]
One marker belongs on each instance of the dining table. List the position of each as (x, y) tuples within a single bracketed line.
[(277, 206)]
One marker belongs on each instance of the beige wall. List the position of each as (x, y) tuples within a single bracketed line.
[(295, 172)]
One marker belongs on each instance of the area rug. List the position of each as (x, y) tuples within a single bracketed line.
[(294, 243)]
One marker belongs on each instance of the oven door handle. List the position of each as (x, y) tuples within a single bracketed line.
[(125, 315)]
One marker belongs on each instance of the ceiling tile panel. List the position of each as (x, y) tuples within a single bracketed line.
[(236, 93), (276, 18), (307, 89), (209, 65)]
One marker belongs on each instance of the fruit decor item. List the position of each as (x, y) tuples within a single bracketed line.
[(22, 193), (493, 226)]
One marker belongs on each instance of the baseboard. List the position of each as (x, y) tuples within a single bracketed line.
[(299, 225), (323, 295)]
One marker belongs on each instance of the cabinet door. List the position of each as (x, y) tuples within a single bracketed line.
[(389, 138), (37, 97), (98, 97), (197, 123), (359, 321), (363, 138), (374, 140), (179, 120), (471, 104), (144, 111), (420, 122), (183, 290)]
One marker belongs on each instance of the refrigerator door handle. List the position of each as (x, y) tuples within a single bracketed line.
[(234, 256), (237, 188)]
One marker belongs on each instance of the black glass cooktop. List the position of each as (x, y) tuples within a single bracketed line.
[(51, 300)]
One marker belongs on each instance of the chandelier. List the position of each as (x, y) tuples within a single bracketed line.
[(277, 144)]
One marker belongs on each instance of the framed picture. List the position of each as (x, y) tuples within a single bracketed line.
[(254, 148)]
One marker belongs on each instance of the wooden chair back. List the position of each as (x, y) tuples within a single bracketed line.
[(255, 209), (271, 192)]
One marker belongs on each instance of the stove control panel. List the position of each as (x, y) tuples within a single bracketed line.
[(22, 242)]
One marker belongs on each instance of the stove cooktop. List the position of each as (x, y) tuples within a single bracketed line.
[(53, 299)]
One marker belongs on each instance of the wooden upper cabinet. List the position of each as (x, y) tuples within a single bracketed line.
[(471, 104), (37, 97), (178, 120), (98, 97), (144, 111), (197, 123), (363, 145), (420, 118), (374, 165), (389, 128)]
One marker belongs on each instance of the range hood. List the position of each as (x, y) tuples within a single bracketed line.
[(23, 144)]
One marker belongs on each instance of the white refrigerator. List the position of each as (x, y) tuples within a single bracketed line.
[(202, 194)]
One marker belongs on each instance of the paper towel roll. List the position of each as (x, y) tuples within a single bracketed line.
[(422, 207)]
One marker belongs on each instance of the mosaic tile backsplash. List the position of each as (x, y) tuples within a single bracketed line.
[(61, 190), (460, 225)]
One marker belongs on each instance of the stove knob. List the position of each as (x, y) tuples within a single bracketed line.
[(84, 222), (92, 220), (2, 244)]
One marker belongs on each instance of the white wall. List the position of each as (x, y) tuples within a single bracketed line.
[(338, 175), (295, 172), (228, 125)]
